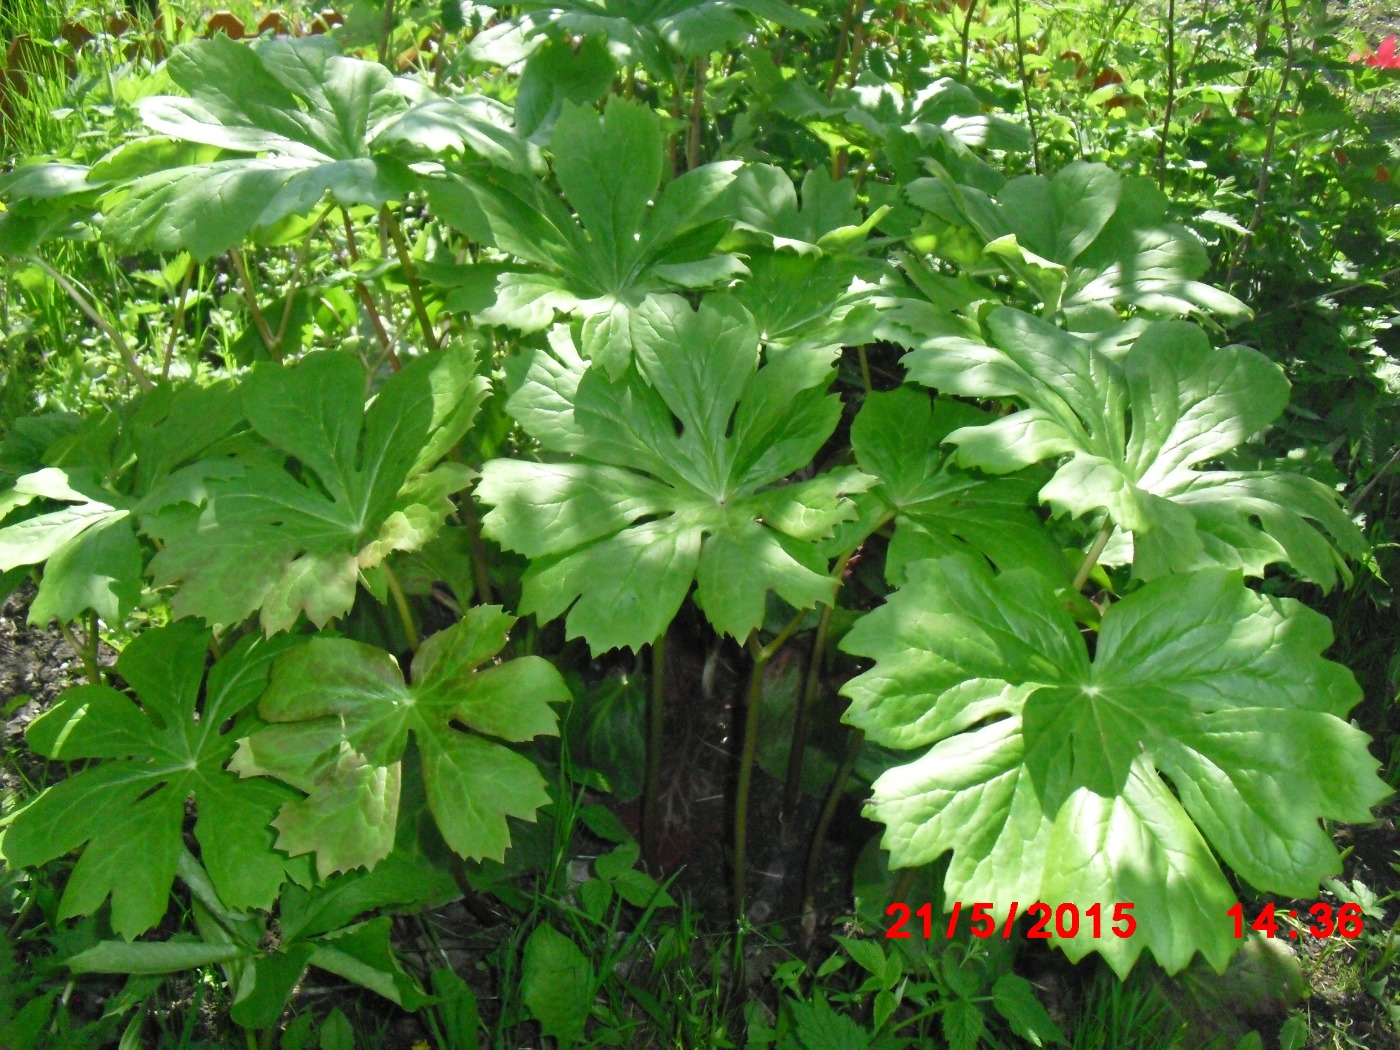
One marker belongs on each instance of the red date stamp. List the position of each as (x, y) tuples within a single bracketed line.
[(1345, 921), (1063, 920)]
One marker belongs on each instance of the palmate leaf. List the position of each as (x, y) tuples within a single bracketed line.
[(672, 479), (290, 543), (938, 508), (346, 716), (295, 120), (636, 30), (627, 243), (1044, 769), (1086, 242), (129, 807), (89, 550), (1135, 430)]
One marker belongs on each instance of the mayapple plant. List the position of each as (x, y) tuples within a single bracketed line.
[(671, 426)]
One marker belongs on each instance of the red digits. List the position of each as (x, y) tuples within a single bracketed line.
[(1038, 932), (982, 914), (1327, 925), (1124, 913), (925, 912), (1072, 928), (897, 932), (1349, 922)]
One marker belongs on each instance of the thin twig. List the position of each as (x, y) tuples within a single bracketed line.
[(85, 305)]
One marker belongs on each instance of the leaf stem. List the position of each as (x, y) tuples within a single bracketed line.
[(302, 256), (1091, 556), (854, 10), (1026, 86), (85, 305), (1171, 96), (814, 851), (178, 322), (966, 35), (352, 248), (656, 713), (1262, 187), (761, 655), (401, 603), (410, 273), (83, 653), (697, 116), (250, 296), (811, 681)]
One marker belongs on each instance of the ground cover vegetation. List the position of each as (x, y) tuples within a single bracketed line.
[(579, 523)]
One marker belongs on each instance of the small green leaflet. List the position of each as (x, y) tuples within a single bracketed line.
[(290, 543), (672, 479), (939, 509), (620, 250), (1135, 430), (302, 115), (129, 807), (344, 717), (1086, 242), (1044, 768)]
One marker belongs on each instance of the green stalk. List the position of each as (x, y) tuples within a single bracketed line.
[(250, 296), (401, 603), (967, 35), (761, 655), (85, 305), (1091, 556), (82, 652), (651, 792), (179, 321), (833, 800), (1171, 96), (697, 116), (1026, 87), (1262, 187), (362, 293), (410, 273)]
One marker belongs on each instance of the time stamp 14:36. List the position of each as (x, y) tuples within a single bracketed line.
[(1102, 920)]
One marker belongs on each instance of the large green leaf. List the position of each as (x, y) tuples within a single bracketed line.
[(938, 508), (129, 807), (346, 715), (294, 541), (88, 548), (620, 240), (1086, 243), (1136, 429), (672, 479), (646, 31), (295, 121), (1044, 769)]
